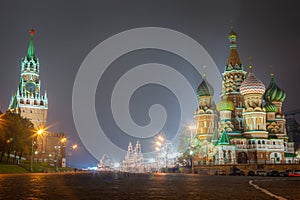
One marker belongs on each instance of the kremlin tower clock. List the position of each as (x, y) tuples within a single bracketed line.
[(28, 100)]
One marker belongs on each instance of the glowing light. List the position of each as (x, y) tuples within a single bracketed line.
[(158, 143), (116, 165), (160, 138), (157, 148), (92, 168), (191, 152), (63, 140), (40, 131), (74, 146)]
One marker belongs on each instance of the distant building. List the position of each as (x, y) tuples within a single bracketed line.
[(105, 164), (32, 104), (247, 125), (134, 160)]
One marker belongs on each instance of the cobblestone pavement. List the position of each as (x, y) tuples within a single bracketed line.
[(94, 185)]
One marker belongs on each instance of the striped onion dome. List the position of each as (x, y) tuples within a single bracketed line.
[(252, 85), (273, 92), (225, 104), (270, 107), (205, 89)]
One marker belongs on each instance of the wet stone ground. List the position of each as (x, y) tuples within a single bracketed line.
[(95, 185)]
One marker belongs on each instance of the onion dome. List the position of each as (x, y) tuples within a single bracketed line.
[(273, 92), (252, 85), (270, 107), (225, 104), (205, 89)]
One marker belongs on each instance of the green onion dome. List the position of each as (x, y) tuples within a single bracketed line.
[(252, 85), (225, 104), (273, 92), (205, 89), (270, 107)]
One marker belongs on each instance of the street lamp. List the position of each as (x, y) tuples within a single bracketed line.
[(58, 150), (192, 160), (191, 128), (74, 147), (38, 133), (159, 143)]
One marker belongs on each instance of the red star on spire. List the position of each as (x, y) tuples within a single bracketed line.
[(31, 32)]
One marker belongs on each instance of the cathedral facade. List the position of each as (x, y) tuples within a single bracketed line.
[(247, 125)]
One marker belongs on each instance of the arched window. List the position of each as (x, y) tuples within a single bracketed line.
[(263, 142)]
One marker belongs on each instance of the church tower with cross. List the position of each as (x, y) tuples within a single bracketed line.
[(29, 100)]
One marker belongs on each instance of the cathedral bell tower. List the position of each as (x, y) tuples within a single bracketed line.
[(233, 76), (28, 100), (254, 114), (205, 115)]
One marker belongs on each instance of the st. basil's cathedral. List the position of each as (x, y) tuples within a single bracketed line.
[(247, 125)]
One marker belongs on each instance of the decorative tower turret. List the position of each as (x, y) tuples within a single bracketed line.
[(225, 150), (233, 76), (274, 97), (254, 115), (31, 103), (205, 115), (225, 108)]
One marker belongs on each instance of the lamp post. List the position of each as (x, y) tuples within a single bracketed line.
[(58, 151), (159, 142), (74, 147), (191, 128), (38, 133), (192, 160)]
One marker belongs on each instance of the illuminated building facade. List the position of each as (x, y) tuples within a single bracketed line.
[(29, 102), (134, 159), (247, 125)]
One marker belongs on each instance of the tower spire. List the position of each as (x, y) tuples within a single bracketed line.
[(30, 51), (233, 61)]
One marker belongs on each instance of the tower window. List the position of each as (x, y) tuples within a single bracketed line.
[(30, 111)]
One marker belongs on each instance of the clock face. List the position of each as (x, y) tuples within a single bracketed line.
[(30, 87)]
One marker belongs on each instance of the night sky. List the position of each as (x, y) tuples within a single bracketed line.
[(67, 31)]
